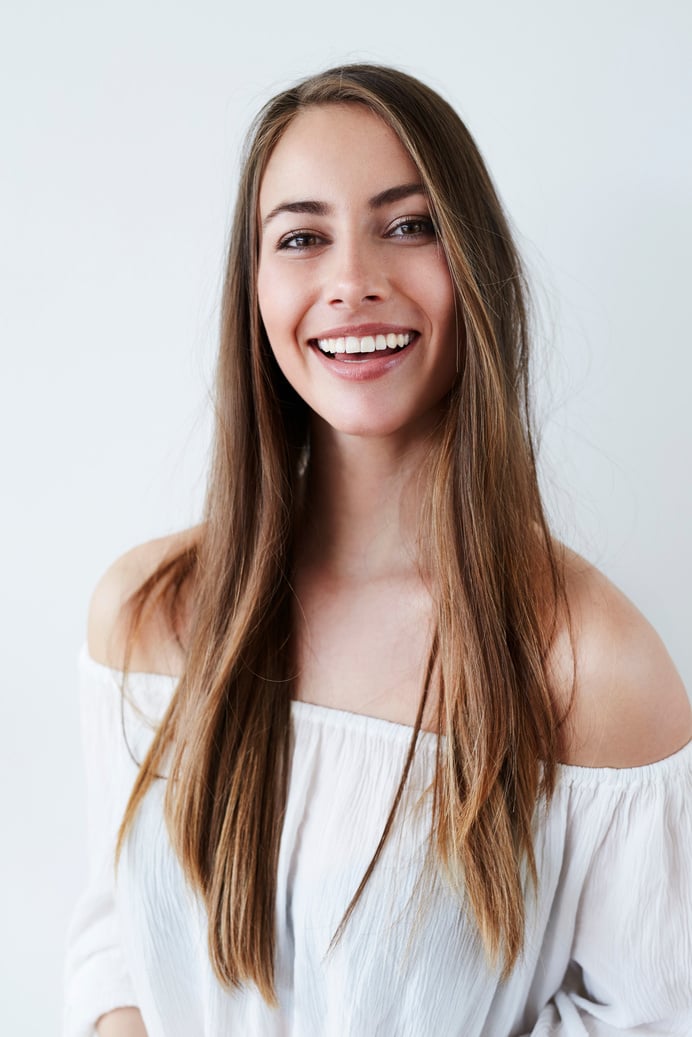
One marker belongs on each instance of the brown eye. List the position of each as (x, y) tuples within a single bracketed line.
[(298, 240), (413, 227)]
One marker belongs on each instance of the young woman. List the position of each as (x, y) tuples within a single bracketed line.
[(379, 755)]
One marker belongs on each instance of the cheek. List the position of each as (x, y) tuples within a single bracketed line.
[(266, 299), (445, 289), (280, 317), (447, 320), (437, 294), (280, 305)]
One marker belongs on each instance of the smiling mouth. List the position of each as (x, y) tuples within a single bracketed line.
[(351, 347)]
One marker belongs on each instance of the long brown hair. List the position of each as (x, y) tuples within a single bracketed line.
[(496, 579)]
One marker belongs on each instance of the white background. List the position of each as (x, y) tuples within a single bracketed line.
[(119, 132)]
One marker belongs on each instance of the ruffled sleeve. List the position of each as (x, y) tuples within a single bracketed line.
[(631, 968), (114, 737)]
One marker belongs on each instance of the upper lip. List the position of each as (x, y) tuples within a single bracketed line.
[(361, 330)]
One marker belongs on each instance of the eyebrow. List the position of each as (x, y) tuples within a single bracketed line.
[(314, 208)]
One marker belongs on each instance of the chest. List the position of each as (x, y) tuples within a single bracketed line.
[(364, 647)]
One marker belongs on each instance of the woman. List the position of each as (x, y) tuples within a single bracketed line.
[(408, 766)]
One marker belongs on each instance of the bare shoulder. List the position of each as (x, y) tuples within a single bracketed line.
[(155, 649), (629, 705)]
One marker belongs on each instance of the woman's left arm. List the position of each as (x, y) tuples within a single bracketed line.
[(631, 968)]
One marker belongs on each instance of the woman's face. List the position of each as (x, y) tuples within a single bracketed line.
[(354, 289)]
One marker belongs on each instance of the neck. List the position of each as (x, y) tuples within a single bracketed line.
[(362, 515)]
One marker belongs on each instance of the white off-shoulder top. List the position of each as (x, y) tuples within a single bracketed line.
[(609, 934)]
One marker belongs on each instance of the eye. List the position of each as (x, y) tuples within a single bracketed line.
[(412, 227), (299, 240)]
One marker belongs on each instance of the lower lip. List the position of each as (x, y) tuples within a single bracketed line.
[(363, 370)]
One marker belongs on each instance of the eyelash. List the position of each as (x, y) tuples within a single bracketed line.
[(289, 241)]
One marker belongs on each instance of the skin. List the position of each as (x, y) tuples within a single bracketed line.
[(124, 1022), (358, 581)]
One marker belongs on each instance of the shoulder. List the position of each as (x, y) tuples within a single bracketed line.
[(628, 705), (155, 648)]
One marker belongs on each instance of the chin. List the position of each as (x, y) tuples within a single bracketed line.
[(377, 426)]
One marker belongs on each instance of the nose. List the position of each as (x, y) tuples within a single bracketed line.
[(356, 274)]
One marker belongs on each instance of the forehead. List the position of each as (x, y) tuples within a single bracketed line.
[(332, 148)]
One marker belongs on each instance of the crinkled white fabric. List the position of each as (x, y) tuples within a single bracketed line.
[(609, 937)]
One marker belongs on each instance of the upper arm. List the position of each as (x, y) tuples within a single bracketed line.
[(155, 647), (629, 706)]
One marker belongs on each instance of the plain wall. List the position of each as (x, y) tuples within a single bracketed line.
[(119, 129)]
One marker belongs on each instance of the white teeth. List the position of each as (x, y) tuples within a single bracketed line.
[(367, 344)]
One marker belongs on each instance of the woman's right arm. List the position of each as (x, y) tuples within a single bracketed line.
[(100, 995), (124, 1022), (98, 981)]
